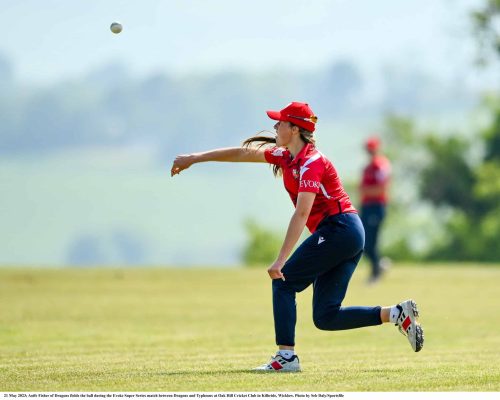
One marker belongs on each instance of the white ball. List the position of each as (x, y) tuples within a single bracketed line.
[(116, 27)]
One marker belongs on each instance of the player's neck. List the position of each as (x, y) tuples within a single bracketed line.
[(295, 147)]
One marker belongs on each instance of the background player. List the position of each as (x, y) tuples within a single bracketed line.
[(374, 190)]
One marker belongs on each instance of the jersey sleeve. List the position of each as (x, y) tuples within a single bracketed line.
[(274, 155), (311, 176)]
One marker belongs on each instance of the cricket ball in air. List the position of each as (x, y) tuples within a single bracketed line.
[(116, 27)]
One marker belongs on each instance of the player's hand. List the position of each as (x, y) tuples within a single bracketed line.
[(182, 162), (274, 270)]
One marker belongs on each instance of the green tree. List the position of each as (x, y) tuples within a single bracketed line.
[(471, 191), (463, 190), (411, 228), (448, 178), (486, 31)]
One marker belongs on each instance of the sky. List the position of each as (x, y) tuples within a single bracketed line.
[(59, 39)]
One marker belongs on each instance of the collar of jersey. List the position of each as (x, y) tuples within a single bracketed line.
[(302, 153)]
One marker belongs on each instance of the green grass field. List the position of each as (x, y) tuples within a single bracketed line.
[(204, 329)]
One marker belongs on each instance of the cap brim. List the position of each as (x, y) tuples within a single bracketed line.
[(276, 115)]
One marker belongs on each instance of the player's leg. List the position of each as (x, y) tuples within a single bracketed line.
[(372, 218), (339, 238), (328, 314), (329, 292), (297, 278)]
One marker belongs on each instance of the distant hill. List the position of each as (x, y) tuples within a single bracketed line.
[(173, 113), (84, 163)]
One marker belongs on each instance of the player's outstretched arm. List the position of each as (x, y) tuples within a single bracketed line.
[(231, 154)]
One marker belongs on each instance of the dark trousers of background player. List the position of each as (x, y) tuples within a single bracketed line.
[(372, 216)]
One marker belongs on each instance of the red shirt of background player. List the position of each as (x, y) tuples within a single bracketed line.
[(375, 175), (377, 172)]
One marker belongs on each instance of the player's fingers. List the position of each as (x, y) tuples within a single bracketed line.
[(175, 170), (274, 274)]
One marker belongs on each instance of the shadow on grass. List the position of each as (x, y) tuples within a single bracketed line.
[(378, 371), (219, 372)]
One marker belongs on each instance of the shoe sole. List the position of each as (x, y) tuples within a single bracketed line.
[(419, 338), (419, 332), (278, 371)]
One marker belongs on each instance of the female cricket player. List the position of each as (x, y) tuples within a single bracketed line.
[(327, 258)]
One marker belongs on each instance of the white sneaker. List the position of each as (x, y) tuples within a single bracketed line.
[(408, 324), (278, 363)]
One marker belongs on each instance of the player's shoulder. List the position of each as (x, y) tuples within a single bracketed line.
[(278, 151), (381, 161), (315, 159)]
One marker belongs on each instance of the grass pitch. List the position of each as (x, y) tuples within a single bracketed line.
[(204, 329)]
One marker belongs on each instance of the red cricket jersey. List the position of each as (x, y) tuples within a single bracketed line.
[(377, 172), (311, 171)]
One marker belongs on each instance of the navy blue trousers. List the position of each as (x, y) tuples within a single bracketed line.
[(372, 216), (327, 259)]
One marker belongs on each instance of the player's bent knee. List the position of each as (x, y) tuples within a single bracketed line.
[(326, 321), (319, 323)]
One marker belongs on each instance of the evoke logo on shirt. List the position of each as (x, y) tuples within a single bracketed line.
[(310, 184)]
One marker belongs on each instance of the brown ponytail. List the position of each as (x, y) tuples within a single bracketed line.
[(262, 140)]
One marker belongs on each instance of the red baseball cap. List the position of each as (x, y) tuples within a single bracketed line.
[(372, 143), (299, 114)]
